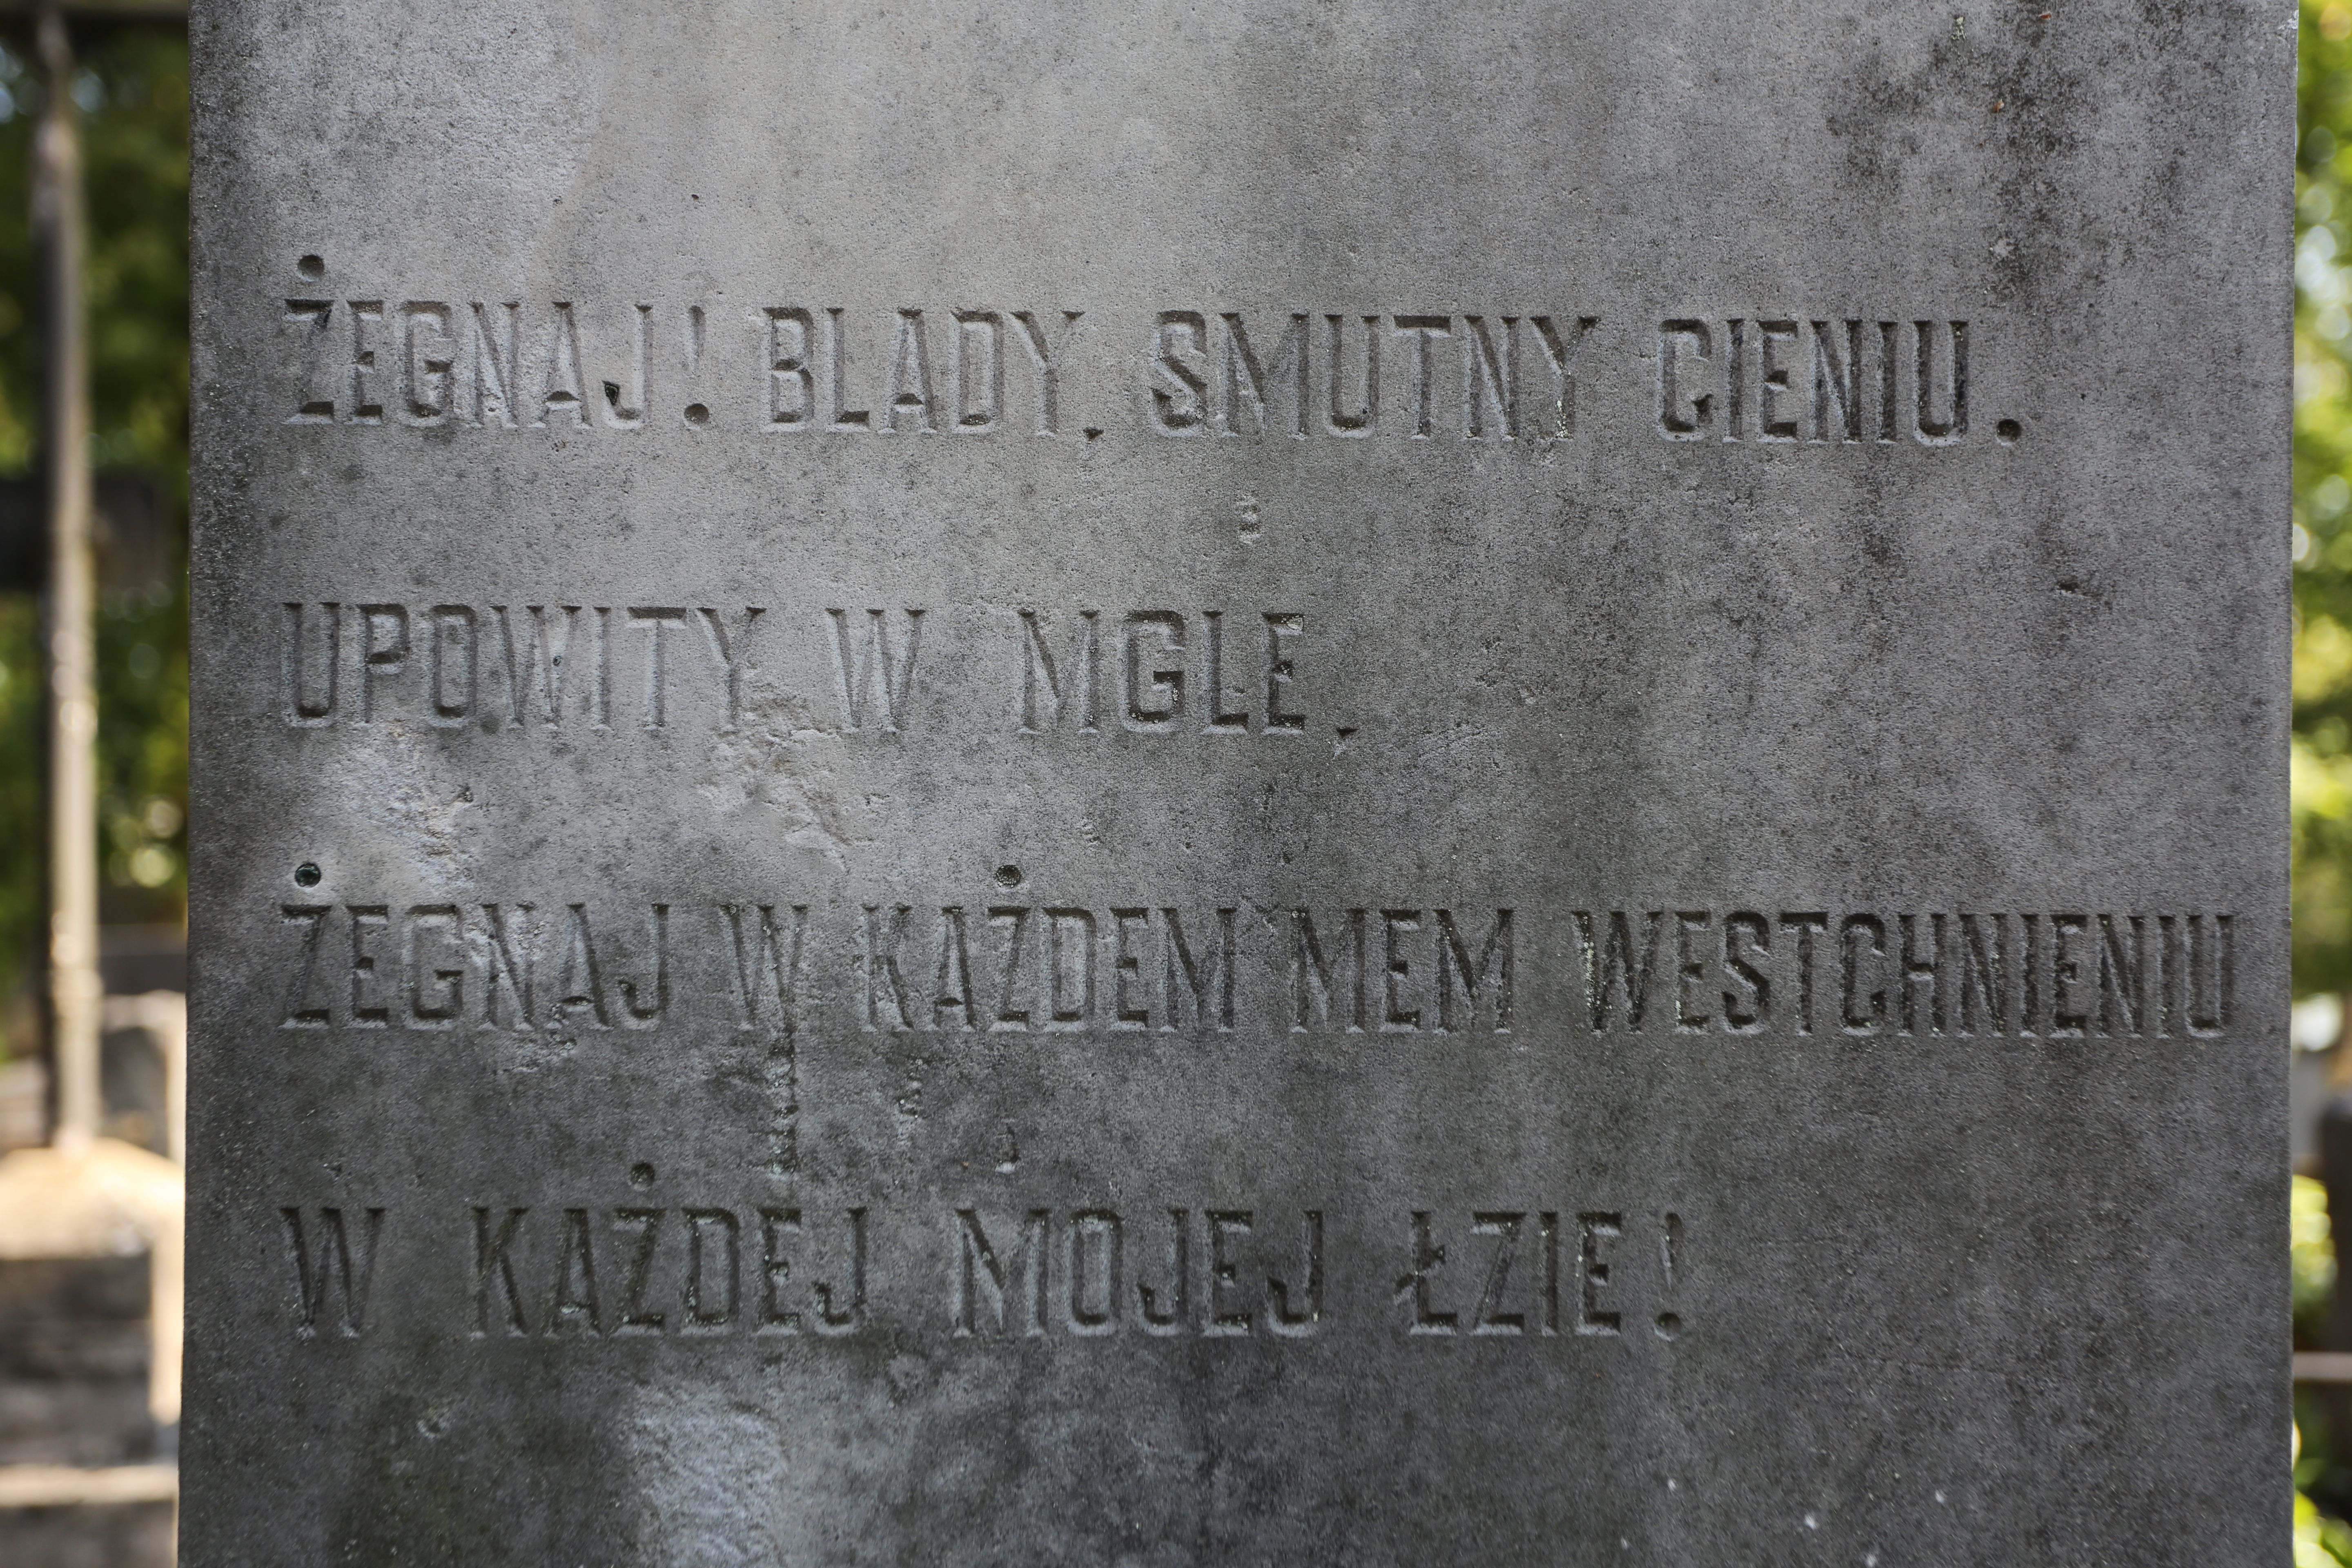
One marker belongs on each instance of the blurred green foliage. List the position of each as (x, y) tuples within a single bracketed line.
[(2313, 1269), (133, 91), (2321, 786), (2322, 777), (2321, 1541)]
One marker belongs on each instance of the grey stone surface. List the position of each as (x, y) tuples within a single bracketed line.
[(1788, 1066)]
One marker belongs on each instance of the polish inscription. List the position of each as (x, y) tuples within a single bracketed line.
[(1206, 1272), (587, 1272), (1504, 375), (491, 966), (637, 1268), (333, 1263), (1208, 377), (607, 671), (2059, 975), (991, 965), (488, 365), (1789, 381)]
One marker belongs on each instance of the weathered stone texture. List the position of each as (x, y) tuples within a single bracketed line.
[(1341, 783)]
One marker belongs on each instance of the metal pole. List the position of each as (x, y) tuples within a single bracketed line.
[(75, 992)]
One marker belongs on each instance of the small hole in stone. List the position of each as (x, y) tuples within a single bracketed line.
[(641, 1175), (695, 413), (2009, 430), (306, 875), (613, 393), (1008, 875), (312, 267), (1669, 1325)]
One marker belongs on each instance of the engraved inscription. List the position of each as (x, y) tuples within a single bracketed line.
[(573, 367), (1169, 672), (1798, 381), (602, 671), (1207, 1272), (515, 966), (1303, 374), (1019, 967), (917, 370), (2061, 976), (515, 668), (988, 965), (1537, 1273), (588, 1272), (333, 1267), (592, 1272), (1398, 971)]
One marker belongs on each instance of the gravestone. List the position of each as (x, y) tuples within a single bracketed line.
[(1301, 783)]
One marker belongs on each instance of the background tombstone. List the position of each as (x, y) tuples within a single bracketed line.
[(1305, 784)]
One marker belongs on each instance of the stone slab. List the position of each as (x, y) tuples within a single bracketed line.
[(892, 864)]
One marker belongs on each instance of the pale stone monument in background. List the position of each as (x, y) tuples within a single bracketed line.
[(1309, 782)]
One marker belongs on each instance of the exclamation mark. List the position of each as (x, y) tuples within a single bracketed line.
[(696, 414)]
